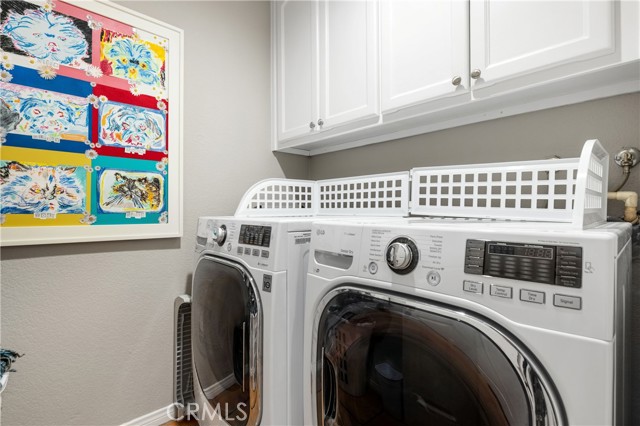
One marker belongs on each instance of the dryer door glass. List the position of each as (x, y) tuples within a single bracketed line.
[(385, 362), (225, 314)]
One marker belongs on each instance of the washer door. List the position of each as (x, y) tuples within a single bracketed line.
[(226, 341), (387, 360)]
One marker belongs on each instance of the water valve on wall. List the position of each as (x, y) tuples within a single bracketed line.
[(627, 158)]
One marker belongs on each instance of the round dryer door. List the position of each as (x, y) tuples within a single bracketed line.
[(226, 336), (386, 360)]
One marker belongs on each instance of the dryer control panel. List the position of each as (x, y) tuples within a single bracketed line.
[(546, 264)]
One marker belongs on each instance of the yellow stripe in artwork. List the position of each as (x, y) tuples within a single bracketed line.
[(47, 158), (43, 157), (28, 220)]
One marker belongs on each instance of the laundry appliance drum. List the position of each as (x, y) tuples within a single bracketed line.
[(384, 359), (226, 341)]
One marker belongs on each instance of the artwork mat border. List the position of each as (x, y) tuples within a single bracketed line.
[(32, 235)]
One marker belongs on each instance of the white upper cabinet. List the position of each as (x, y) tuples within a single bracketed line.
[(510, 39), (348, 62), (326, 65), (354, 72), (296, 88), (424, 51)]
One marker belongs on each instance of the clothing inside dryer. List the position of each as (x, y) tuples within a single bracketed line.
[(382, 363)]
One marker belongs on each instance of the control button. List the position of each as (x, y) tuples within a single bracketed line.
[(532, 296), (256, 252), (572, 262), (570, 251), (265, 254), (569, 281), (433, 278), (564, 301), (475, 244), (266, 283), (247, 250), (474, 260), (473, 269), (473, 287), (373, 268), (501, 291), (240, 250), (229, 246), (570, 272)]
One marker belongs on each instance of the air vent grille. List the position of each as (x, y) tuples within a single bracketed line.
[(183, 367)]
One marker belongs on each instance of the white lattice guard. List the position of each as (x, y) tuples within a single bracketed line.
[(592, 186), (371, 195), (278, 197), (571, 191)]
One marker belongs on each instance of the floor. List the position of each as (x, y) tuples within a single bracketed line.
[(181, 423)]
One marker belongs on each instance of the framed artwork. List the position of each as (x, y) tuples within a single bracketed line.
[(90, 123)]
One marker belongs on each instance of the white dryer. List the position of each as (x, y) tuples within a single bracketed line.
[(247, 302), (466, 323), (248, 292), (247, 316)]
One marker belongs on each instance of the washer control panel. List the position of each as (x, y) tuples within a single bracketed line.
[(558, 265)]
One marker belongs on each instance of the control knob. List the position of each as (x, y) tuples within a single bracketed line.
[(402, 255), (219, 234)]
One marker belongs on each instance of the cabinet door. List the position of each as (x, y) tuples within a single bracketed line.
[(348, 62), (296, 68), (513, 38), (424, 50)]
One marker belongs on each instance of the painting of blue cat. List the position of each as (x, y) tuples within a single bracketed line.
[(31, 188), (137, 61), (131, 126), (45, 113), (44, 35)]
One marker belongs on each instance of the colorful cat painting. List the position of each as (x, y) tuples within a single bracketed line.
[(134, 60), (130, 126), (124, 191), (46, 114), (45, 35), (32, 188)]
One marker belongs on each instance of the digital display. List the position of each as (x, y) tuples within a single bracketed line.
[(255, 235), (537, 252)]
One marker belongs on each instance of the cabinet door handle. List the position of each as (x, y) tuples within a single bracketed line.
[(475, 74), (312, 125), (320, 122), (456, 80)]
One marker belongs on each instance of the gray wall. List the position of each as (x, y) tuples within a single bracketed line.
[(559, 131), (95, 320)]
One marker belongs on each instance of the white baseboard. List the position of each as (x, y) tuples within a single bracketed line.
[(155, 418)]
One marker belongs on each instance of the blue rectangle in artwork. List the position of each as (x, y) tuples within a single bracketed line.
[(61, 84)]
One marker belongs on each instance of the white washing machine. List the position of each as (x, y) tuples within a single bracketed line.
[(466, 323), (247, 314)]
